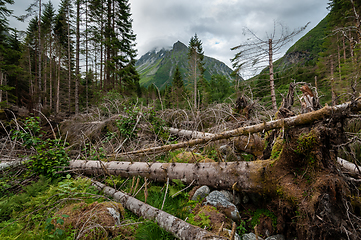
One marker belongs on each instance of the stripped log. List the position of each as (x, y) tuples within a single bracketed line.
[(245, 176), (349, 166), (298, 120), (189, 133), (170, 223)]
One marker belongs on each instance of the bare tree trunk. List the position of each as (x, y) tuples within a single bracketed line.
[(301, 119), (77, 52), (218, 174), (45, 74), (69, 61), (51, 75), (344, 48), (101, 61), (31, 87), (334, 97), (1, 83), (40, 52), (349, 166), (195, 81), (170, 223), (271, 76), (188, 133), (58, 83), (86, 56)]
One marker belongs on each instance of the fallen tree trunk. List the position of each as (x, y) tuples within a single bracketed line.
[(170, 223), (298, 120), (245, 176), (188, 133), (349, 166)]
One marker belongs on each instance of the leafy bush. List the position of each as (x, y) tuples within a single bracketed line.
[(50, 153)]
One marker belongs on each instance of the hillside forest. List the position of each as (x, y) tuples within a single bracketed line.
[(95, 145)]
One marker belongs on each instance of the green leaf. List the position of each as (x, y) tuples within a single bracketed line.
[(60, 221)]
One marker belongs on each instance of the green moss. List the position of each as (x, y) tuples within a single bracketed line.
[(277, 148), (200, 220), (306, 143), (263, 213)]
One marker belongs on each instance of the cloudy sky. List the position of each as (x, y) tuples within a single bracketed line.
[(219, 24)]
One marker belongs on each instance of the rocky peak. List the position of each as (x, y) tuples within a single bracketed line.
[(179, 46)]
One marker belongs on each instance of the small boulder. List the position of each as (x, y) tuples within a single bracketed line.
[(201, 193), (218, 200), (229, 196)]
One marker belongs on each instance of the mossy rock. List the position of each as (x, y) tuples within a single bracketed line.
[(210, 218), (91, 221)]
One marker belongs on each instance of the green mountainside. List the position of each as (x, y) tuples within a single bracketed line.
[(158, 66), (301, 63)]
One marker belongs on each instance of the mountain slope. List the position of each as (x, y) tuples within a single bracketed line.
[(157, 66)]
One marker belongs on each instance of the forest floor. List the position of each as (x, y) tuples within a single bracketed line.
[(305, 194)]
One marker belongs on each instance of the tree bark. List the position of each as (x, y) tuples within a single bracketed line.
[(77, 52), (302, 119), (57, 107), (349, 166), (170, 223), (271, 76), (188, 133), (40, 52), (69, 61), (222, 175)]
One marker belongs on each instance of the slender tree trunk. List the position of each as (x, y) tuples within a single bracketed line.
[(1, 83), (77, 52), (51, 75), (108, 49), (271, 76), (69, 62), (344, 48), (86, 56), (31, 87), (332, 83), (339, 59), (58, 83), (45, 74), (101, 60), (39, 68), (195, 81)]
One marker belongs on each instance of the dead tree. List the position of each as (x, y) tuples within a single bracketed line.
[(302, 119), (170, 223), (252, 54)]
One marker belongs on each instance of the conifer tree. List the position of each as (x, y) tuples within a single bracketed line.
[(177, 86), (196, 65)]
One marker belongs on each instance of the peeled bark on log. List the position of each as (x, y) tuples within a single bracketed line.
[(10, 163), (349, 166), (245, 176), (301, 119), (170, 223), (188, 133)]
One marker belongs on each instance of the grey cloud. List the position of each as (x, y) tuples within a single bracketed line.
[(218, 23)]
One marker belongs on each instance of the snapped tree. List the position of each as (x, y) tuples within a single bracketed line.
[(253, 54)]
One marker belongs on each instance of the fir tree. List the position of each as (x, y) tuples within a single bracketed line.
[(196, 65)]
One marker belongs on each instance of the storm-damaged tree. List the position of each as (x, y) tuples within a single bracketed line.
[(302, 176), (256, 51), (196, 65)]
